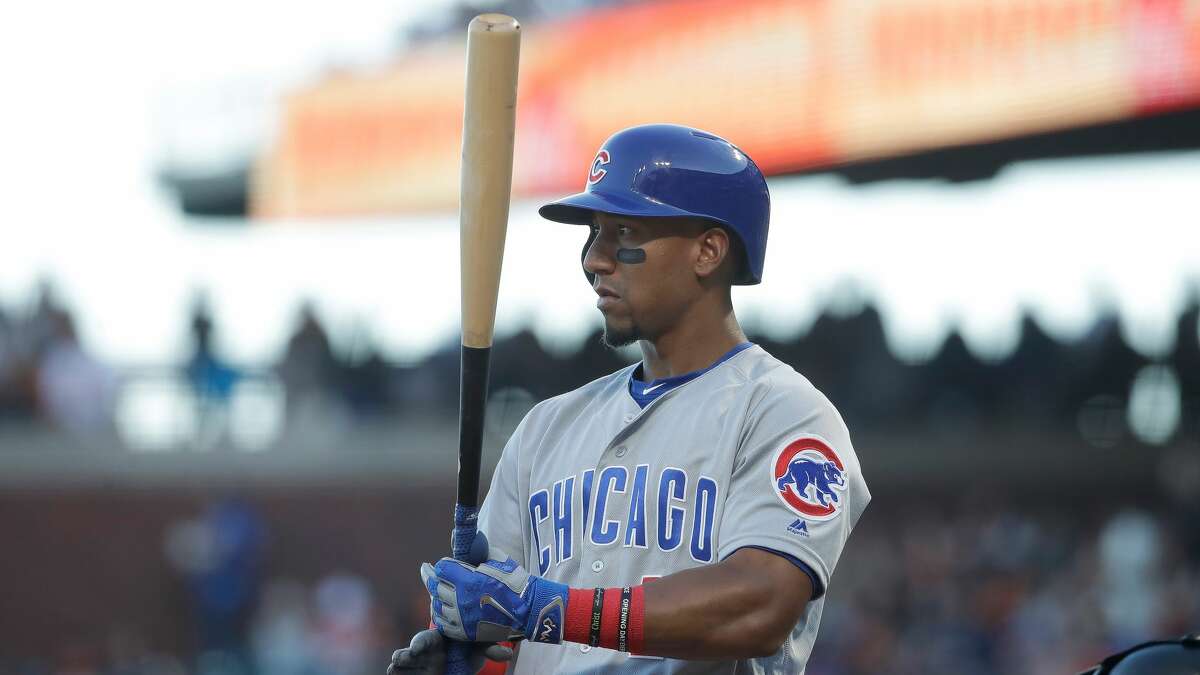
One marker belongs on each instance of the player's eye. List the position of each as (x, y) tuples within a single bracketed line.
[(624, 230)]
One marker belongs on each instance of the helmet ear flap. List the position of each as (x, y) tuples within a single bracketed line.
[(592, 232)]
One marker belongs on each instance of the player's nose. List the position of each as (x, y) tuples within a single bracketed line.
[(600, 258)]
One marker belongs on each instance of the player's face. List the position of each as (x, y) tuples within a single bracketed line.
[(642, 294)]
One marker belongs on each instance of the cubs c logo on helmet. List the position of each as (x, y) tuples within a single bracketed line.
[(598, 171), (807, 476)]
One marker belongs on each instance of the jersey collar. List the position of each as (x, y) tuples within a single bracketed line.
[(645, 392)]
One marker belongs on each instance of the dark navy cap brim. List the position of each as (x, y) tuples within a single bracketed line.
[(578, 209)]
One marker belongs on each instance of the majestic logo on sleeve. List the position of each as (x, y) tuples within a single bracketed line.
[(598, 171), (808, 475)]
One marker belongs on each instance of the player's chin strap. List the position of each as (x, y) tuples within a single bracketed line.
[(1191, 641)]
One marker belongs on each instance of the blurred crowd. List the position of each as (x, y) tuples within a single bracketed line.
[(46, 374), (251, 620), (992, 589), (1095, 385), (961, 586), (244, 616)]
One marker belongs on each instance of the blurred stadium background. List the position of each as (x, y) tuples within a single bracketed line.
[(228, 359)]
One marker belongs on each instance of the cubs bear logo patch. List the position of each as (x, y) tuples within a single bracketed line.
[(808, 476)]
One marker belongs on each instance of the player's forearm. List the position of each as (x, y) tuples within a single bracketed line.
[(717, 612), (742, 608)]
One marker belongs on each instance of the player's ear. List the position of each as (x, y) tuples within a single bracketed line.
[(714, 250)]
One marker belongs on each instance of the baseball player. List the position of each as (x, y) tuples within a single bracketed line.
[(684, 514)]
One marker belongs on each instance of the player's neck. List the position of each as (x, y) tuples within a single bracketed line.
[(694, 343)]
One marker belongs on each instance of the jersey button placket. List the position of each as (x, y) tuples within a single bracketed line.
[(598, 566)]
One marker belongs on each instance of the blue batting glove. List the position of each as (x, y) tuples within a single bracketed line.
[(494, 601)]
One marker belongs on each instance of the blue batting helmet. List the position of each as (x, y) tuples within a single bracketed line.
[(1166, 657), (672, 170)]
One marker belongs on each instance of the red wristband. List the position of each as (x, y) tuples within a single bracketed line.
[(637, 620), (579, 618), (579, 615)]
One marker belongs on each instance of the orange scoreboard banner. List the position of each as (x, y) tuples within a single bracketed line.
[(798, 84)]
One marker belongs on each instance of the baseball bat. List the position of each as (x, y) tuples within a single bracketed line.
[(489, 128)]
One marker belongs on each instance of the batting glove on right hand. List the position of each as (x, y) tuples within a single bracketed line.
[(426, 654)]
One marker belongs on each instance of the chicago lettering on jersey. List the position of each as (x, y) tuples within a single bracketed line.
[(683, 515)]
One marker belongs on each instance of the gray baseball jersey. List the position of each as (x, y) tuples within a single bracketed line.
[(593, 490)]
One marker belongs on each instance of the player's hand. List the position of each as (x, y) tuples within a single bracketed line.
[(494, 601), (427, 654)]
